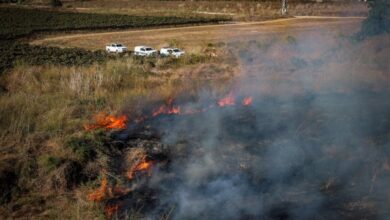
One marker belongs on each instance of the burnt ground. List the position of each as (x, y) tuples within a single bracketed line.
[(276, 159)]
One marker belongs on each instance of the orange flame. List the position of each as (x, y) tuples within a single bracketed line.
[(228, 100), (103, 120), (100, 193), (110, 210), (173, 110), (142, 166), (108, 122), (167, 109), (247, 100), (105, 191)]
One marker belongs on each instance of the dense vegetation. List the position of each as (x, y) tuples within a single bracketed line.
[(39, 55), (18, 22)]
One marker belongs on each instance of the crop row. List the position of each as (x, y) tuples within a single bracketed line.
[(39, 55), (18, 22)]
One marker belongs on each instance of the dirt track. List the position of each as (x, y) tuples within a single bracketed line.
[(196, 36)]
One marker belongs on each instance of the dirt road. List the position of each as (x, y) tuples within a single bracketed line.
[(194, 37)]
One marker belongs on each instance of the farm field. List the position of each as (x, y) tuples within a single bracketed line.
[(194, 38), (238, 10), (20, 22)]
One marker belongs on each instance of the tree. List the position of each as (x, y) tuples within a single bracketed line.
[(378, 20)]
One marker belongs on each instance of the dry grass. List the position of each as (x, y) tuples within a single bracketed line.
[(239, 10), (55, 100), (44, 106), (194, 39)]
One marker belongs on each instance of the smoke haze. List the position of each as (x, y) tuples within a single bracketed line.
[(313, 145)]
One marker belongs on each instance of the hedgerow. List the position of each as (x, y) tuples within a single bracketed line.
[(19, 22)]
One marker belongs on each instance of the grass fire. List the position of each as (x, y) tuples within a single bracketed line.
[(107, 122), (189, 110)]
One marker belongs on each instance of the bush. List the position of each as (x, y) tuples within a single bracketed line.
[(55, 3), (378, 20), (8, 180)]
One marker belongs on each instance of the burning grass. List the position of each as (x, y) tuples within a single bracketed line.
[(144, 165), (100, 194), (46, 109), (216, 144), (105, 121), (110, 122)]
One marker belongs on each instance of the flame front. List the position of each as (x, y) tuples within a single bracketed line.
[(110, 210), (103, 120), (142, 166), (167, 109), (109, 122), (100, 194), (173, 110), (228, 100), (247, 100)]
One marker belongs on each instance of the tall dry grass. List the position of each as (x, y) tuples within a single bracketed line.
[(45, 106), (56, 101)]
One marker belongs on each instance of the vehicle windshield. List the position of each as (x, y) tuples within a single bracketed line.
[(176, 50), (148, 49), (119, 45)]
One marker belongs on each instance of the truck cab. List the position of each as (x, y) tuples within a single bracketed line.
[(175, 52), (144, 51), (116, 48)]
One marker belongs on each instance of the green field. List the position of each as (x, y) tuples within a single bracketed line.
[(19, 22)]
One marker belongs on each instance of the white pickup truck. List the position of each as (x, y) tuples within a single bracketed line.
[(144, 51), (175, 52), (116, 48)]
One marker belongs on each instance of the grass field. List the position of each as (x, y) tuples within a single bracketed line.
[(49, 163), (46, 106), (193, 39)]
